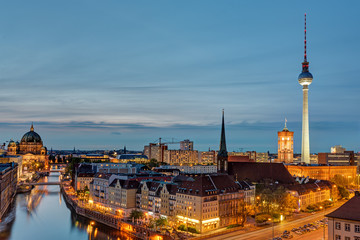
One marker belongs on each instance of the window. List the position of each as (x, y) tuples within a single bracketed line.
[(338, 226), (357, 228), (347, 227), (347, 238), (337, 237)]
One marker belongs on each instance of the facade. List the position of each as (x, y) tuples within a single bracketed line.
[(344, 222), (322, 172), (196, 169), (31, 149), (124, 158), (262, 157), (83, 181), (208, 157), (187, 145), (8, 181), (99, 188), (181, 157), (211, 201), (122, 196), (312, 192), (157, 198), (337, 149), (285, 145), (305, 79), (343, 158), (155, 151)]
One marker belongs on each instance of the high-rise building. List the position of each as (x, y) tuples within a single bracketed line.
[(305, 79), (187, 145), (222, 157), (285, 145)]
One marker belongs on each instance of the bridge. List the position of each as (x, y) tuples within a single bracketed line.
[(42, 183)]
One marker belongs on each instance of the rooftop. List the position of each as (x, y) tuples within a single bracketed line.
[(349, 210)]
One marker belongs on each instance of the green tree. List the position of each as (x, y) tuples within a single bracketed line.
[(136, 215), (343, 192), (161, 222)]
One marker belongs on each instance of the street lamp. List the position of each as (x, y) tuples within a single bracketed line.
[(321, 207), (272, 227)]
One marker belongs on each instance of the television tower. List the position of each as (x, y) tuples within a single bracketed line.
[(305, 78)]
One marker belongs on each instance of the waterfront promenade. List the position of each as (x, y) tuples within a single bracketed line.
[(107, 218)]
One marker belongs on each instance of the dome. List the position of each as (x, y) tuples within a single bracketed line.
[(31, 137), (305, 75), (12, 143)]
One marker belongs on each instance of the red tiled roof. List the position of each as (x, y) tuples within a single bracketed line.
[(349, 210), (257, 172)]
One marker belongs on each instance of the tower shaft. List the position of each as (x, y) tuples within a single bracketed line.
[(305, 143)]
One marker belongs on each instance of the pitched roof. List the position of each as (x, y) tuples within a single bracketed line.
[(349, 210), (256, 172), (209, 184)]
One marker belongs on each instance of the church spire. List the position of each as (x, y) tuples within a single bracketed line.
[(223, 140), (32, 127), (222, 157)]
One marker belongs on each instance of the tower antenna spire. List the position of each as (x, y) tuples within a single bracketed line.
[(305, 64), (305, 59)]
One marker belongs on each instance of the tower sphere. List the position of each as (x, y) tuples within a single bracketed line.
[(305, 78)]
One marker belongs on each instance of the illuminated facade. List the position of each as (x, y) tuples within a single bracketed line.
[(285, 145), (181, 157), (305, 79), (322, 172), (31, 149), (212, 201)]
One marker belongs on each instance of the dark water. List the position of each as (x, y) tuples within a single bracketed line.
[(43, 214)]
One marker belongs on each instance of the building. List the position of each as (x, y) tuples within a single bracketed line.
[(322, 172), (99, 188), (312, 192), (285, 145), (181, 157), (208, 157), (8, 181), (341, 158), (222, 157), (187, 145), (344, 222), (212, 201), (122, 196), (196, 169), (305, 79), (15, 159), (262, 157), (248, 156), (136, 158), (33, 152), (337, 149), (157, 198), (155, 151)]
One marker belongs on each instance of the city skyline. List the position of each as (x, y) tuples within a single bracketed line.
[(95, 81)]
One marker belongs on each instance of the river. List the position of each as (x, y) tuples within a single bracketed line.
[(42, 214)]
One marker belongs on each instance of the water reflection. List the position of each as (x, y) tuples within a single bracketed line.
[(43, 214)]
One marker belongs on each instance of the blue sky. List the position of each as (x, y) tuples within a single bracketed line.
[(104, 74)]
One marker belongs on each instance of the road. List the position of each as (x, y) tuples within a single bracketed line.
[(266, 233)]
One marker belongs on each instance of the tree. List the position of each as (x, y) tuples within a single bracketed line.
[(136, 215), (343, 192), (161, 222)]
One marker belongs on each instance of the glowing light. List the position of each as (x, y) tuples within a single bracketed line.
[(211, 220), (281, 218), (91, 201), (188, 219)]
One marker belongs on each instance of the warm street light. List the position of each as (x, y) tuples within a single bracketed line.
[(321, 207)]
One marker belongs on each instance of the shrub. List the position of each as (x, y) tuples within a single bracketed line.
[(182, 227), (262, 218), (192, 230)]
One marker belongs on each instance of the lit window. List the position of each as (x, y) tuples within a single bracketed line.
[(338, 226)]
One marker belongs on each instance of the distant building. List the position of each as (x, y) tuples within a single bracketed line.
[(208, 157), (344, 222), (337, 149), (248, 156), (8, 181), (31, 149), (124, 158), (187, 145), (196, 169), (285, 145), (322, 172), (155, 151), (181, 157), (341, 158), (262, 157)]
